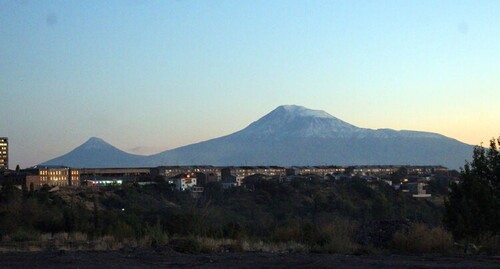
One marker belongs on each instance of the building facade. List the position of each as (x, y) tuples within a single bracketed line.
[(52, 176), (171, 171), (4, 153), (184, 182), (106, 176)]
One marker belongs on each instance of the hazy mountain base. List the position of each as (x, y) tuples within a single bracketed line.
[(319, 151), (229, 151)]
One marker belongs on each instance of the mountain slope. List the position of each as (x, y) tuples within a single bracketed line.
[(290, 135), (294, 135), (97, 153)]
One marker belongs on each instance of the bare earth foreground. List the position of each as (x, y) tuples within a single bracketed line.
[(166, 258)]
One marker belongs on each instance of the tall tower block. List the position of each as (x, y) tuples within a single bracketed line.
[(4, 153)]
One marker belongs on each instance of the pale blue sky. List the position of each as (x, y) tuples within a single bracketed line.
[(162, 74)]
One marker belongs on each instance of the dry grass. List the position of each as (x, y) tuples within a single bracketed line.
[(422, 239), (212, 245), (336, 237), (282, 247)]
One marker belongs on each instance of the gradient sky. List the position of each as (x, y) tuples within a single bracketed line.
[(153, 75)]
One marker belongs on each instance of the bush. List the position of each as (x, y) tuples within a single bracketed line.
[(122, 231), (289, 232), (336, 237), (23, 235), (422, 239), (489, 244), (155, 236), (333, 237)]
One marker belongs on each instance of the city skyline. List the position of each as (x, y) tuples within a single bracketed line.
[(148, 77)]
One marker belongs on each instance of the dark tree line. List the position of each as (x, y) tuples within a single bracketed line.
[(473, 205)]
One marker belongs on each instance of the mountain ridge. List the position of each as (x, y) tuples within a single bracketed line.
[(289, 135)]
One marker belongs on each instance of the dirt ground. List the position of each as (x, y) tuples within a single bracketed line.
[(166, 258)]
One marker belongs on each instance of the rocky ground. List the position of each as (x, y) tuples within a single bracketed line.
[(166, 258)]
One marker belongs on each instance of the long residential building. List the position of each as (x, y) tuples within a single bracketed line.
[(52, 176), (39, 176)]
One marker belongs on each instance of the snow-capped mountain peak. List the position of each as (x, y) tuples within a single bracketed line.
[(298, 121), (300, 111)]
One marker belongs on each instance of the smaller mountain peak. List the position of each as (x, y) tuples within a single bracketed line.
[(95, 142), (95, 139)]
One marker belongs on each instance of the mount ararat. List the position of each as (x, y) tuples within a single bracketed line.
[(288, 135)]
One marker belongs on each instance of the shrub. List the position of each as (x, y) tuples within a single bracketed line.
[(422, 239), (23, 235), (122, 231), (290, 232), (489, 244), (155, 236), (236, 246), (335, 237)]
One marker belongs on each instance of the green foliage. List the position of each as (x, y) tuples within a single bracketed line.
[(473, 205), (121, 231), (321, 215), (336, 237), (489, 244), (439, 185), (22, 235), (333, 237), (156, 235)]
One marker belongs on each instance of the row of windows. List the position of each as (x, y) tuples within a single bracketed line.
[(55, 183), (60, 184), (44, 178), (52, 173)]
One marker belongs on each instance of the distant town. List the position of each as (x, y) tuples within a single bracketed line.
[(411, 179)]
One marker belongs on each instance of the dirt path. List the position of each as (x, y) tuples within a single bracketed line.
[(171, 259)]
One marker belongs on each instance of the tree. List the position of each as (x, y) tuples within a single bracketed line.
[(473, 204)]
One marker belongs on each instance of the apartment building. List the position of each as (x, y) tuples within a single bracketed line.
[(4, 153), (52, 176)]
